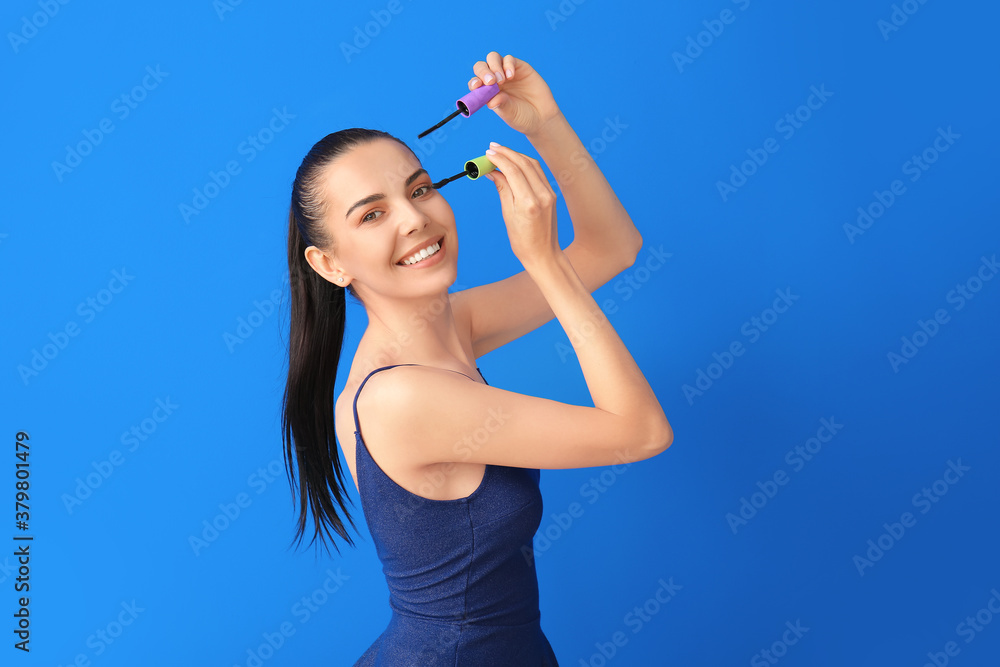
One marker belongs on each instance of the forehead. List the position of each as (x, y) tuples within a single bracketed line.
[(378, 166)]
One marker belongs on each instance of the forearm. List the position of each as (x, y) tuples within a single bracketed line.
[(599, 219), (614, 380)]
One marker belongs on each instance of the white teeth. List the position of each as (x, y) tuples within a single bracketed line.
[(423, 254)]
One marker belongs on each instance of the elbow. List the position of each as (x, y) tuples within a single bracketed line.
[(663, 438), (633, 254), (627, 250), (666, 440)]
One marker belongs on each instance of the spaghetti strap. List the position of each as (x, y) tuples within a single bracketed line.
[(357, 427)]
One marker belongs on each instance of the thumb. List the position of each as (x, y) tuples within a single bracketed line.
[(500, 181), (497, 179), (497, 102)]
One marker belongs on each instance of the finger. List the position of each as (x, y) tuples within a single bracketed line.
[(526, 187), (497, 100), (519, 186), (503, 188), (533, 175), (543, 180), (483, 71), (495, 62), (508, 66)]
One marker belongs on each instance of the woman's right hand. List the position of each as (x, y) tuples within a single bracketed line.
[(528, 204)]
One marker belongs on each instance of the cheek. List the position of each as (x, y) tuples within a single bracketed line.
[(370, 254), (443, 210)]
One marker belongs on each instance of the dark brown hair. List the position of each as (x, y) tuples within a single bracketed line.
[(316, 336)]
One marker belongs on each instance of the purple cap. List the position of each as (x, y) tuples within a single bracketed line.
[(474, 100)]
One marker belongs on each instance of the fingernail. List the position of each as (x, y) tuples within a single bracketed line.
[(510, 73), (488, 78), (499, 76), (490, 151), (493, 143)]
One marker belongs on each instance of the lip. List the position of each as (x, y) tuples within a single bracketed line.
[(420, 246)]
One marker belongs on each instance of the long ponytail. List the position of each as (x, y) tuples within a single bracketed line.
[(316, 336)]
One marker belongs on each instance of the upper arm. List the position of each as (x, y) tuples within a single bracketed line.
[(435, 416), (502, 311)]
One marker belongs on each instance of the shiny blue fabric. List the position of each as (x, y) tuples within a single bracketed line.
[(461, 575)]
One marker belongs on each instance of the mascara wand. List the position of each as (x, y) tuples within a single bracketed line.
[(473, 169), (467, 105)]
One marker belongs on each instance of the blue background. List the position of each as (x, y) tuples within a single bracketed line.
[(682, 126)]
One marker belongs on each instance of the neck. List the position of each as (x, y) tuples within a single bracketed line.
[(412, 331)]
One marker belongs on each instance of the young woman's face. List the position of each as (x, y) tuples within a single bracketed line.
[(381, 208)]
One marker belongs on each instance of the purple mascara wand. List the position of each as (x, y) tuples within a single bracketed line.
[(468, 104)]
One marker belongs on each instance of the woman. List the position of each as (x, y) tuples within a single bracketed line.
[(448, 466)]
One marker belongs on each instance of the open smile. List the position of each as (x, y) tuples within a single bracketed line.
[(430, 260)]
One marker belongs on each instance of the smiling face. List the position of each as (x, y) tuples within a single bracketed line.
[(380, 208)]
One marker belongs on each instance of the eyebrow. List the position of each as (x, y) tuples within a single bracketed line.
[(375, 197)]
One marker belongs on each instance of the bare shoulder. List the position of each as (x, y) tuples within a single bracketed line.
[(400, 382), (386, 434)]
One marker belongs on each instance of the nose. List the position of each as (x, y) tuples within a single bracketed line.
[(414, 220)]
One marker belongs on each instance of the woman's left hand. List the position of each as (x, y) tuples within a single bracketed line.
[(524, 102)]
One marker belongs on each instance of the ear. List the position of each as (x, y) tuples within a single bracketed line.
[(324, 265)]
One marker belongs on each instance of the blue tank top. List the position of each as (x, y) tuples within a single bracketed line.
[(461, 574)]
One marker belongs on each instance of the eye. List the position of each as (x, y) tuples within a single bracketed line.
[(422, 187)]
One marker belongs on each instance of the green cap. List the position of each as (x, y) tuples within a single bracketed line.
[(479, 166)]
